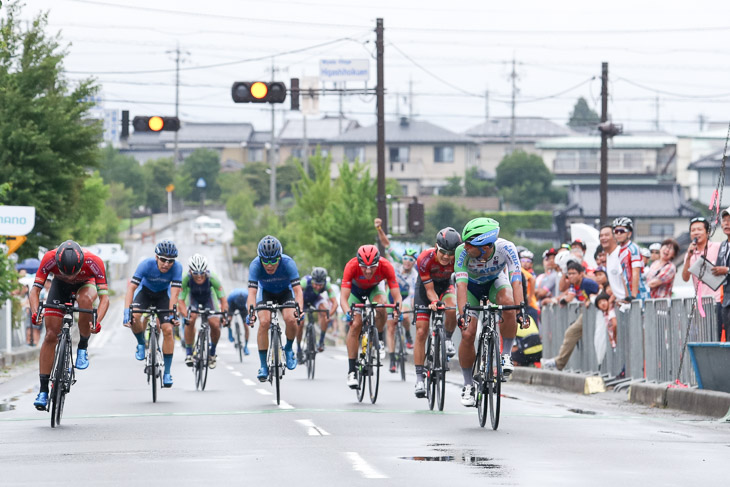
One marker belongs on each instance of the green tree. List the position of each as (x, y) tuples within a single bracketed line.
[(47, 141), (8, 275), (95, 221), (524, 181), (120, 168), (476, 186), (121, 200), (256, 176), (583, 116), (158, 173), (453, 188), (202, 163)]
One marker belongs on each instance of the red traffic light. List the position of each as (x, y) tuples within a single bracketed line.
[(156, 123), (258, 92)]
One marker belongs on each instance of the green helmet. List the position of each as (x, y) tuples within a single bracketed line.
[(480, 231), (410, 253)]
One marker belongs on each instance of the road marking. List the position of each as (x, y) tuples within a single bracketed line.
[(236, 373), (248, 382), (360, 465), (264, 392), (312, 429), (284, 405), (229, 367)]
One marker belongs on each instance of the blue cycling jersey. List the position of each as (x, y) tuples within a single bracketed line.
[(285, 276), (148, 275), (237, 300)]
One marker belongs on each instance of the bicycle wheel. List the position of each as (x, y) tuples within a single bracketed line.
[(429, 367), (374, 364), (57, 377), (494, 380), (311, 351), (363, 370), (63, 374), (440, 357), (205, 356), (152, 364), (275, 348), (237, 339), (400, 350), (479, 373)]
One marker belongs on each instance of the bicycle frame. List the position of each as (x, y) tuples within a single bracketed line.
[(274, 355), (152, 352), (202, 344), (310, 334), (370, 350)]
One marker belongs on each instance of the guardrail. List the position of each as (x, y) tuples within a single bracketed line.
[(649, 338)]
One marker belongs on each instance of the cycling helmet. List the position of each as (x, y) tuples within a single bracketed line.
[(166, 249), (623, 221), (526, 254), (411, 253), (368, 255), (269, 248), (319, 275), (480, 231), (198, 264), (69, 258), (448, 239)]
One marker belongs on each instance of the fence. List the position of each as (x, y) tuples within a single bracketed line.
[(12, 328), (649, 338)]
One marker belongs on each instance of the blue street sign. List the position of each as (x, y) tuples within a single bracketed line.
[(200, 183)]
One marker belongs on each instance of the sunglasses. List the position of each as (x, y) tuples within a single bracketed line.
[(446, 252), (490, 245), (368, 266), (620, 231), (408, 258), (698, 219), (198, 273), (271, 262), (165, 260)]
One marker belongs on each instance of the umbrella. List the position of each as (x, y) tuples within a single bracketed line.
[(28, 265)]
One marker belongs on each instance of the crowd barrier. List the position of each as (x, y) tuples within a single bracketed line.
[(649, 342)]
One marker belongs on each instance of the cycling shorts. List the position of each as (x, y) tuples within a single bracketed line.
[(284, 297), (61, 293), (489, 289), (444, 289), (145, 298), (359, 295)]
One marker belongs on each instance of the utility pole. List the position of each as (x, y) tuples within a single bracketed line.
[(342, 88), (486, 105), (272, 152), (513, 75), (305, 156), (656, 121), (410, 99), (604, 144), (380, 103), (177, 98)]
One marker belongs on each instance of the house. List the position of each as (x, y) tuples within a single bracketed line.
[(698, 162), (494, 138), (418, 154), (291, 137), (708, 169)]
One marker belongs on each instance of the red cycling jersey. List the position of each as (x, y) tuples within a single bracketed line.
[(92, 272), (430, 269), (384, 272)]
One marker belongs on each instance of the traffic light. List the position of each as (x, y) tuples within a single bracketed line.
[(294, 93), (258, 92), (416, 217), (156, 124)]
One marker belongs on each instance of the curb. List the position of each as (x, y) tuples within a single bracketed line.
[(20, 356), (697, 401), (578, 383)]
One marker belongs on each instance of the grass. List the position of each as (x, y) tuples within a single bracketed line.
[(124, 223)]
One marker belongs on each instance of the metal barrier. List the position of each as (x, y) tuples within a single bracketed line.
[(650, 338)]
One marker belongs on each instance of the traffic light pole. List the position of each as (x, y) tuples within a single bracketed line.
[(380, 96), (604, 144)]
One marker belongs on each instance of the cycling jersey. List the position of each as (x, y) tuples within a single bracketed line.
[(312, 296), (478, 271), (92, 272), (148, 275), (284, 278), (430, 269), (237, 301), (353, 276), (631, 261), (201, 292)]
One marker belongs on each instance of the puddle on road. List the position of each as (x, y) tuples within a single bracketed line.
[(6, 407), (463, 458), (582, 411)]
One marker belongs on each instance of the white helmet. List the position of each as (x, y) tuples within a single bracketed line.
[(563, 258), (198, 264)]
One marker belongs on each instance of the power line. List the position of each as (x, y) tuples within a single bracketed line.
[(663, 92)]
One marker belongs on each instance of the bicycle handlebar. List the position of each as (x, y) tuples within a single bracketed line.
[(152, 310), (374, 305), (495, 307), (274, 307), (419, 307), (317, 310), (66, 307)]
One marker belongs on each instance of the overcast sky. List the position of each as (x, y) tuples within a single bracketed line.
[(667, 56)]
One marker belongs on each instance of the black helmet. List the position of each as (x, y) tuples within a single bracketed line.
[(319, 275), (69, 258), (448, 239)]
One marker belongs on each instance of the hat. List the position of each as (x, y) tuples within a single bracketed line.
[(644, 252), (579, 242), (725, 211), (600, 268), (565, 246), (655, 246), (548, 252)]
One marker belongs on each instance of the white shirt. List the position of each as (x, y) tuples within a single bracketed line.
[(615, 277)]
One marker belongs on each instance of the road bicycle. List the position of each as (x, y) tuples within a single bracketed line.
[(310, 339), (238, 342), (275, 353), (62, 372), (201, 349), (436, 363), (368, 361), (487, 369), (153, 365), (400, 346)]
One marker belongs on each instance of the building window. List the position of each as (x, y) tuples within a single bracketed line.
[(398, 154), (256, 155), (443, 154), (353, 153), (661, 229)]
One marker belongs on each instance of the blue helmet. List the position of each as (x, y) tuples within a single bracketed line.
[(166, 249), (269, 248)]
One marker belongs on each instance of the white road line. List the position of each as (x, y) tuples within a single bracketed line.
[(248, 382), (236, 373), (312, 429), (229, 367), (284, 405), (360, 465), (264, 392)]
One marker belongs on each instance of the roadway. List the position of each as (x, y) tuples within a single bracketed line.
[(233, 432)]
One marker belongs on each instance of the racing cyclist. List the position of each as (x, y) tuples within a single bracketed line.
[(156, 282), (318, 294), (273, 276), (79, 272), (435, 268), (360, 281), (237, 302), (201, 285), (481, 262)]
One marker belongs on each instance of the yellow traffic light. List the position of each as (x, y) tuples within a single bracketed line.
[(259, 90), (156, 124)]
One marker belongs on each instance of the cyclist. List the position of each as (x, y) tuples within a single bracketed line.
[(237, 301), (435, 268), (486, 266), (360, 280), (76, 271), (156, 282), (318, 294), (202, 285), (273, 276)]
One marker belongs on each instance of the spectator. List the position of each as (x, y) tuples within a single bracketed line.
[(660, 275), (645, 255), (601, 278), (528, 283), (527, 349), (722, 267), (582, 289), (654, 251), (562, 258), (630, 258), (578, 248), (699, 232), (609, 321), (546, 284), (613, 264), (600, 256)]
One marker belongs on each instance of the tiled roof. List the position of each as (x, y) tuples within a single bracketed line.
[(618, 142), (210, 133), (260, 137), (526, 128), (317, 129), (710, 161), (650, 200), (412, 132)]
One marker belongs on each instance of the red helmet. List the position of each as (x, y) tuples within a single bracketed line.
[(69, 258), (368, 255)]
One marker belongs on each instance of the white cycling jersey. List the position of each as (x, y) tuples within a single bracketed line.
[(480, 271)]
